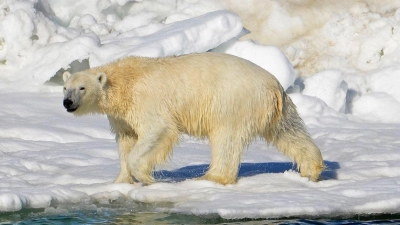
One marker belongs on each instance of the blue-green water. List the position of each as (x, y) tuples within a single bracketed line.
[(95, 217), (147, 214)]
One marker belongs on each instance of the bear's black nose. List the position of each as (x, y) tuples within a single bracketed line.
[(67, 103)]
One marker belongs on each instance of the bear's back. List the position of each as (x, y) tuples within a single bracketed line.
[(195, 91), (206, 89)]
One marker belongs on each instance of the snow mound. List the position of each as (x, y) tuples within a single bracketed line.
[(386, 80), (329, 86), (374, 96), (269, 58), (377, 107)]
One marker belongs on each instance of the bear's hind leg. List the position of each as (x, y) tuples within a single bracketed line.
[(302, 150), (291, 138), (226, 153)]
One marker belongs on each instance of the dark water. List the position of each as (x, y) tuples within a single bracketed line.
[(115, 215)]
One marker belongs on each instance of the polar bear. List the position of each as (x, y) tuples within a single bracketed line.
[(151, 101)]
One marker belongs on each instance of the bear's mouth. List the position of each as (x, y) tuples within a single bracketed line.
[(71, 109)]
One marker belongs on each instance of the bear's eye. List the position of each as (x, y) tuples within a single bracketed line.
[(65, 88), (82, 88)]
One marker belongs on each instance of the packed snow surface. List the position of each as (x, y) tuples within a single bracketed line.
[(50, 159)]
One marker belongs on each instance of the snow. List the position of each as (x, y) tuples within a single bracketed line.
[(342, 78), (269, 58), (377, 106), (193, 35), (329, 86)]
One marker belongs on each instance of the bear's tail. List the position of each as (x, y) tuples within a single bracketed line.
[(293, 140)]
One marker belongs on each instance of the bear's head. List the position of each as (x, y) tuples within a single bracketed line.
[(82, 91)]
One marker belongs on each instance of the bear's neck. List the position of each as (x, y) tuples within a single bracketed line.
[(112, 101), (118, 96)]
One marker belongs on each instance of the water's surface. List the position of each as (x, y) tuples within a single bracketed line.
[(140, 213)]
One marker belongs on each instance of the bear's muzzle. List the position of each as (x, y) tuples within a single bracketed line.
[(69, 105)]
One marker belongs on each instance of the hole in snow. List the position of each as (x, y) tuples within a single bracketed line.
[(74, 67), (34, 37), (3, 62), (1, 42), (297, 87)]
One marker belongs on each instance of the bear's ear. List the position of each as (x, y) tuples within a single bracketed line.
[(66, 75), (102, 78)]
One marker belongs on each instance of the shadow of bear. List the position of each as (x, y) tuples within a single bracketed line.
[(246, 170)]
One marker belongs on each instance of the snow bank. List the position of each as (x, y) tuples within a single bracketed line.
[(352, 36), (55, 34), (349, 51), (199, 34), (61, 38), (195, 35)]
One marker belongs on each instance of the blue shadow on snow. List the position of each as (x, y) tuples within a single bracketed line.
[(246, 170)]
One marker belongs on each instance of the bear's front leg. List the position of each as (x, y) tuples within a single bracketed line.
[(152, 148), (125, 144)]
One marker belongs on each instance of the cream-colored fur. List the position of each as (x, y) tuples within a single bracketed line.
[(151, 101)]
